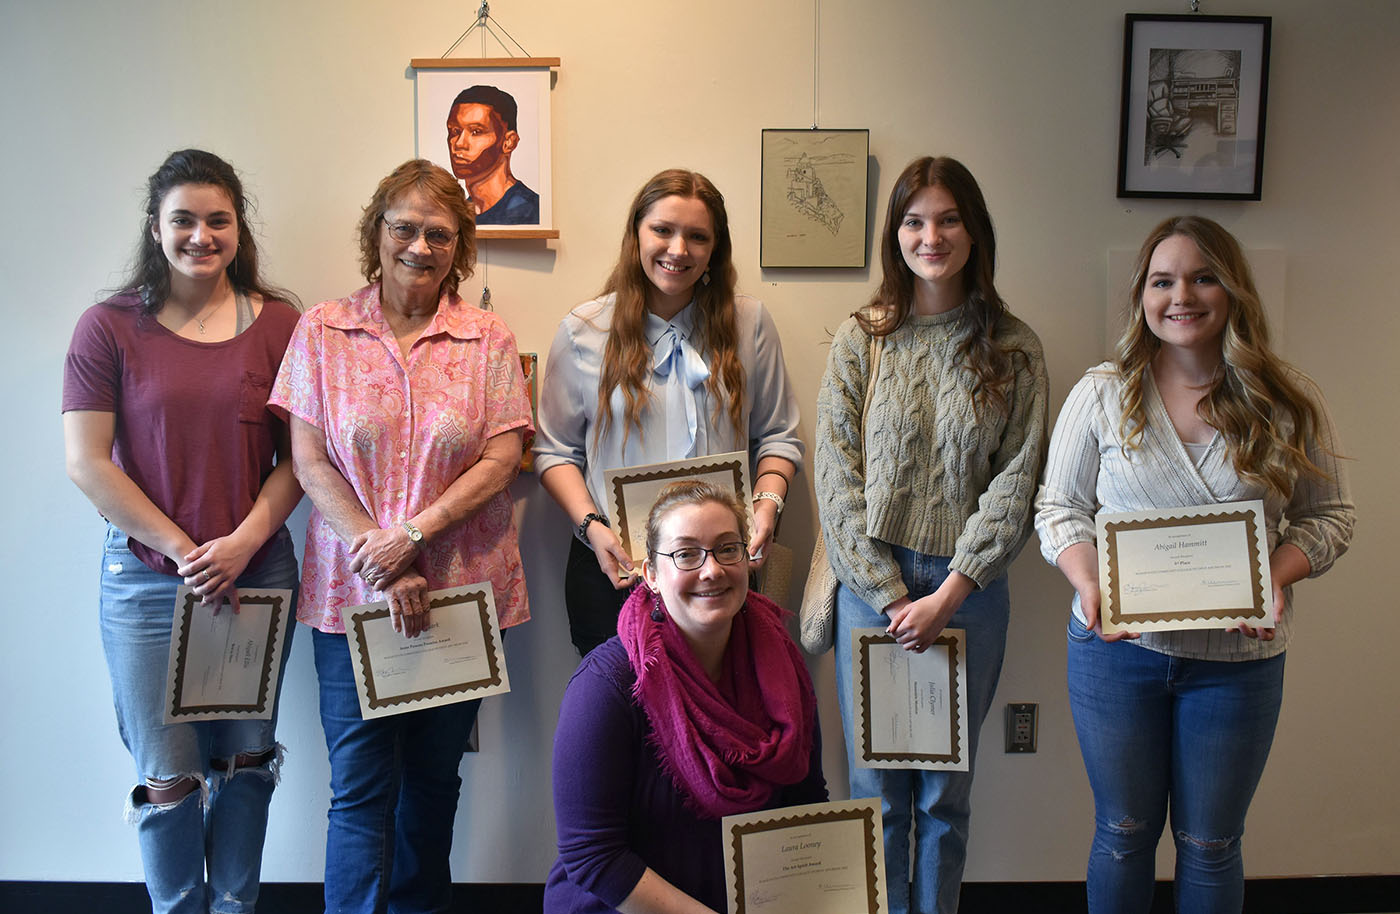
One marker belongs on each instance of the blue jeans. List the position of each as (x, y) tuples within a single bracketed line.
[(394, 790), (221, 826), (1154, 728), (938, 802)]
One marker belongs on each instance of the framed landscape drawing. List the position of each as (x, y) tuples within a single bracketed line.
[(487, 120), (1195, 90), (813, 198)]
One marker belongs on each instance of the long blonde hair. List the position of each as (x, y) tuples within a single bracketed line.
[(627, 355), (1254, 402)]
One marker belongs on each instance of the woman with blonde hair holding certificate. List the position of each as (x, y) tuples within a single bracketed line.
[(1196, 409)]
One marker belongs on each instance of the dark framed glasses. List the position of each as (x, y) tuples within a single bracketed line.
[(690, 558)]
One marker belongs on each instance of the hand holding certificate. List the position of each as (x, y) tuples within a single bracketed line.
[(1205, 566), (824, 858), (633, 490), (910, 708), (226, 666), (456, 658)]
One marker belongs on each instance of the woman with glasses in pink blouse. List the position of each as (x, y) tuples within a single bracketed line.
[(408, 411)]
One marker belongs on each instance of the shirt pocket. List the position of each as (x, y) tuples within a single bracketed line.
[(256, 387)]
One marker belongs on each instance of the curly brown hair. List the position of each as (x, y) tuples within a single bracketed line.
[(627, 356), (441, 188)]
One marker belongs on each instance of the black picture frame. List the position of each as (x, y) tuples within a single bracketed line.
[(1195, 93)]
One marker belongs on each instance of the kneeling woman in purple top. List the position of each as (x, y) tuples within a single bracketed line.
[(701, 671)]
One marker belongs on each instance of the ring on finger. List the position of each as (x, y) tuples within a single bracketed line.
[(204, 575)]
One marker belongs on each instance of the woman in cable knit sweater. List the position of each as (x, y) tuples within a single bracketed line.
[(1194, 410), (926, 499)]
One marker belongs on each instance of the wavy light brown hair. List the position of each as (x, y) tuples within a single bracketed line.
[(1254, 402), (690, 492), (893, 301), (149, 276), (627, 356), (441, 188)]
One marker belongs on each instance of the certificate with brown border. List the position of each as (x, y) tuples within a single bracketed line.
[(633, 490), (458, 657), (823, 858), (1205, 566), (226, 666), (910, 709)]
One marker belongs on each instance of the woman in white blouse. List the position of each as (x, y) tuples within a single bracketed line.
[(1195, 409), (667, 363)]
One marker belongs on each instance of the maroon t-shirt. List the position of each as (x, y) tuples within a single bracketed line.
[(192, 426)]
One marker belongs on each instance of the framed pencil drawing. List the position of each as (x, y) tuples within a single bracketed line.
[(487, 120), (813, 198), (1195, 90)]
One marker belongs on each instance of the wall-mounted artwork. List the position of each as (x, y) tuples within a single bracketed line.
[(487, 120), (813, 198), (1194, 94)]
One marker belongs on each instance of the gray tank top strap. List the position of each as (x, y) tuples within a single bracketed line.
[(245, 313)]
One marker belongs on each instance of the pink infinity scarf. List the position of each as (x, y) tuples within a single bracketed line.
[(728, 746)]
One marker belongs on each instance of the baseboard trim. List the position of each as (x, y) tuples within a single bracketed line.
[(1287, 895), (1369, 894)]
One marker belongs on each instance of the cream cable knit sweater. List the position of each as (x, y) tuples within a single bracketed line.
[(935, 477)]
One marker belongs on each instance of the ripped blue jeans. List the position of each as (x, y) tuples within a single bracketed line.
[(220, 825), (1161, 736)]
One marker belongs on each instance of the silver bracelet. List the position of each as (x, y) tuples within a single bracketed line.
[(774, 497)]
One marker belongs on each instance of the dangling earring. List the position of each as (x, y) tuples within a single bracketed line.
[(657, 613), (705, 279)]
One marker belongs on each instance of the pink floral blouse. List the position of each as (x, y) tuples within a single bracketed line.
[(400, 432)]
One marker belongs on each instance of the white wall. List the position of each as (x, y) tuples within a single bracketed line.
[(313, 101)]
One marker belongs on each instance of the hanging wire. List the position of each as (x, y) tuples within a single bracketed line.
[(485, 263), (487, 24), (816, 30)]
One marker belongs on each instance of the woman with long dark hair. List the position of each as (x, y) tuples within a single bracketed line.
[(667, 363), (167, 432), (925, 498)]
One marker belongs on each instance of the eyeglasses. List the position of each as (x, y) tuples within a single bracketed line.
[(407, 233), (692, 557)]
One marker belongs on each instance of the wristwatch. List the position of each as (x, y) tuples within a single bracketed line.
[(414, 533), (590, 517)]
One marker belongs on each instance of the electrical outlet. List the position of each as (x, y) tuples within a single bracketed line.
[(1022, 726)]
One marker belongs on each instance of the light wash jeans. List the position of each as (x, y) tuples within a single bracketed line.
[(221, 826), (1158, 731), (394, 792), (937, 802)]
